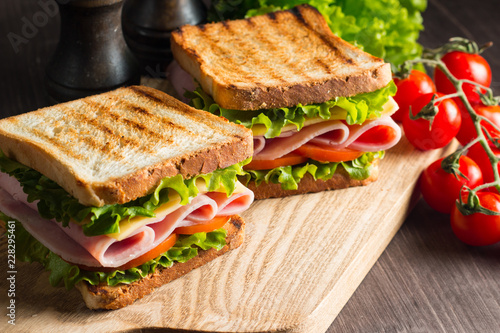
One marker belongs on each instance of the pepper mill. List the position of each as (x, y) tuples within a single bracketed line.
[(147, 26), (92, 55)]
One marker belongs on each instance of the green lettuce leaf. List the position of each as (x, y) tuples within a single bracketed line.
[(359, 108), (28, 249), (290, 176), (388, 29), (56, 203)]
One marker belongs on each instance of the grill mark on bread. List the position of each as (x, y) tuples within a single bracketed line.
[(294, 70), (112, 139), (225, 51), (263, 63), (297, 14), (144, 93), (151, 117), (324, 65), (189, 112), (66, 149)]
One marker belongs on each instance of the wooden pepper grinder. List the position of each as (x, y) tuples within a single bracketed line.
[(92, 55), (147, 26)]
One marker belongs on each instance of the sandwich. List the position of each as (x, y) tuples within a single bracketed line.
[(319, 108), (119, 193)]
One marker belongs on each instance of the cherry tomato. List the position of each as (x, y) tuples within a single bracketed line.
[(478, 229), (464, 66), (477, 153), (441, 189), (326, 154), (467, 130), (288, 159), (416, 84), (444, 127), (214, 224)]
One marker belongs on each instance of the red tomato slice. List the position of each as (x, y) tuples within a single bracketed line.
[(212, 225), (327, 154), (377, 134), (154, 253), (289, 159)]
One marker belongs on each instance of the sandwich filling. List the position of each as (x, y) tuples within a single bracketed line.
[(350, 132), (118, 243)]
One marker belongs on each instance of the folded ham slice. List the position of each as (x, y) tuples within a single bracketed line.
[(72, 245), (334, 134), (333, 131), (45, 231)]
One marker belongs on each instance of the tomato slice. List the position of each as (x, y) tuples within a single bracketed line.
[(216, 223), (154, 253), (327, 154), (289, 159), (377, 134)]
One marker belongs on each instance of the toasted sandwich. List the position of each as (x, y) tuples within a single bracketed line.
[(122, 192), (319, 108)]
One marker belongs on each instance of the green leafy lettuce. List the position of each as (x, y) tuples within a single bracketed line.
[(388, 29), (28, 249), (56, 203), (359, 108), (290, 176)]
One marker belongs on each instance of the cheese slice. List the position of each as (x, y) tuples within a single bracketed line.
[(337, 112), (127, 227)]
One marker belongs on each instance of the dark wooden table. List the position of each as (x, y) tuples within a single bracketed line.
[(426, 280)]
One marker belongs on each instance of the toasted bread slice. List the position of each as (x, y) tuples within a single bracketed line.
[(119, 296), (308, 184), (117, 146), (276, 60)]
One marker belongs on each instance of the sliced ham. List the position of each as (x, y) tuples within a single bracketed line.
[(356, 135), (72, 245), (334, 134), (46, 232), (235, 204)]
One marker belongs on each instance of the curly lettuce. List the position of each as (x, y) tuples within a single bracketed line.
[(28, 249), (388, 29), (290, 176), (357, 110), (55, 203)]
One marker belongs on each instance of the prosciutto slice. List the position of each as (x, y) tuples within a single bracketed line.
[(334, 134), (71, 244)]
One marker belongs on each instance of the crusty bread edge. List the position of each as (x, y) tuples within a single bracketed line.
[(286, 95), (119, 296), (142, 182), (307, 184)]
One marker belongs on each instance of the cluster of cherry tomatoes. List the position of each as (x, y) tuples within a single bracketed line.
[(441, 189)]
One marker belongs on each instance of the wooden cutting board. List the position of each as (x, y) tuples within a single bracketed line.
[(302, 259)]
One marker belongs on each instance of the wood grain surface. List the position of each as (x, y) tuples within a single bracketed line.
[(425, 280)]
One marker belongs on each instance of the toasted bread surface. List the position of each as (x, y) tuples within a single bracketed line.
[(117, 146), (276, 60), (308, 184), (119, 296)]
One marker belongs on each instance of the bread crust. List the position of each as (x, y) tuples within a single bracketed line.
[(307, 184), (119, 296), (56, 159), (328, 67)]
